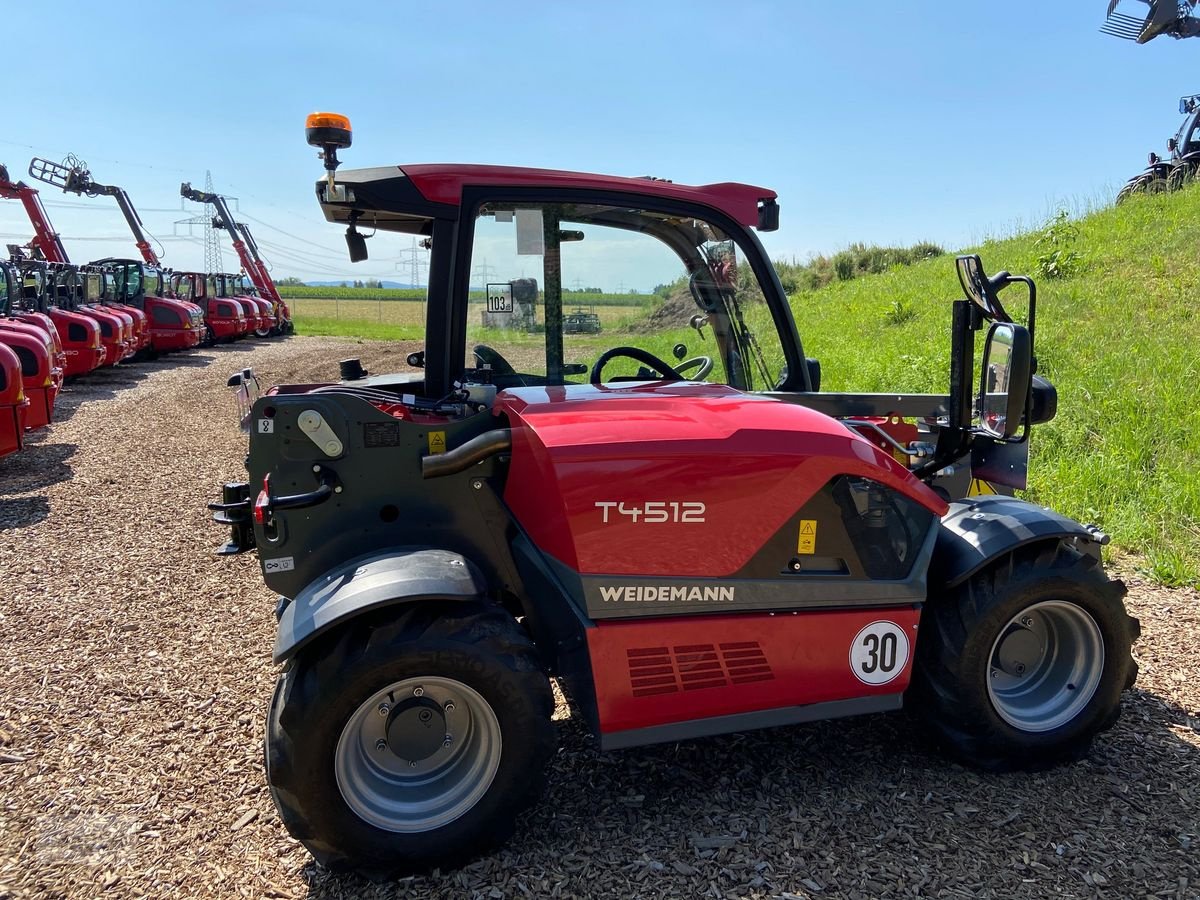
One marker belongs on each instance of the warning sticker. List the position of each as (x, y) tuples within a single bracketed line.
[(980, 488), (266, 426), (279, 564), (437, 442), (807, 544)]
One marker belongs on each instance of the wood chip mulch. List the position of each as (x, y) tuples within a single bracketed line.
[(135, 671)]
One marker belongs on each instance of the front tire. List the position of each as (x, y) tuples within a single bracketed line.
[(1181, 176), (355, 755), (1021, 666)]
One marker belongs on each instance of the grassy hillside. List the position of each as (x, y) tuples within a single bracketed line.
[(1120, 340)]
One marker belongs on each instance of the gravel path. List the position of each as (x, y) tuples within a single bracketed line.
[(136, 669)]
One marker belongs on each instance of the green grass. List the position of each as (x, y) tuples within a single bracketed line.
[(358, 328), (1120, 340)]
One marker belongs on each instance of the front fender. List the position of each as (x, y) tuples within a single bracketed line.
[(981, 530), (370, 582)]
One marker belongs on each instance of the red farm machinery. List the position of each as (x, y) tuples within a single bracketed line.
[(681, 528), (167, 323), (227, 318), (31, 336), (274, 315)]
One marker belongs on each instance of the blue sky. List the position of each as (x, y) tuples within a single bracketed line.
[(888, 123)]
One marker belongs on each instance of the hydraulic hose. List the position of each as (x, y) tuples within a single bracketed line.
[(463, 457)]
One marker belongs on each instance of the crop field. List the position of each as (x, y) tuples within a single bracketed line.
[(137, 670), (405, 319)]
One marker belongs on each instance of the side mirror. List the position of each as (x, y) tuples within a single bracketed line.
[(1171, 145), (981, 290), (1005, 380), (356, 243), (972, 279)]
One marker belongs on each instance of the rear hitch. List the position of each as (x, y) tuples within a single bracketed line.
[(234, 510)]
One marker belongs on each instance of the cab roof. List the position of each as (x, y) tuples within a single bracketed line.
[(389, 189)]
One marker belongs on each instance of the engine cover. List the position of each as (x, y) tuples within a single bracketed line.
[(693, 481)]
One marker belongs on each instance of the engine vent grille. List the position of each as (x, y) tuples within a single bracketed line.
[(691, 667)]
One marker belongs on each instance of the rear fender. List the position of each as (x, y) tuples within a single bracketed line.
[(975, 533), (372, 582)]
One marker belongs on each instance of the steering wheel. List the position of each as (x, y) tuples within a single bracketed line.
[(637, 355), (702, 364), (486, 356)]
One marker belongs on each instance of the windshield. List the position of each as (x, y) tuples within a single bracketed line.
[(182, 286), (572, 293), (132, 281), (153, 281)]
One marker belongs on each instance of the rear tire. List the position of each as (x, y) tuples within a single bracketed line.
[(1021, 666), (349, 796)]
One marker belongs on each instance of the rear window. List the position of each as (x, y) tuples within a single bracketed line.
[(29, 366)]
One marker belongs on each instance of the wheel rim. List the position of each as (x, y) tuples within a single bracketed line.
[(409, 795), (1045, 666)]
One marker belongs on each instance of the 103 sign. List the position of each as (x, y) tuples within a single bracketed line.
[(653, 512)]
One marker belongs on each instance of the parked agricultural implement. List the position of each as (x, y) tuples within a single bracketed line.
[(1180, 168), (225, 317), (250, 259), (233, 286), (79, 334), (1165, 17), (35, 348), (170, 324), (690, 547), (13, 403)]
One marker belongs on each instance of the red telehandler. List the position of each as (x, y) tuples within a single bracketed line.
[(283, 313), (172, 324), (227, 318), (79, 334), (233, 286), (248, 255), (38, 350), (13, 403), (47, 246), (41, 378)]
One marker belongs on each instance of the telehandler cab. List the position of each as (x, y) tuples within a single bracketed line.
[(673, 522)]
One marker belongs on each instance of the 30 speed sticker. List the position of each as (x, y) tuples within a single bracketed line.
[(879, 652)]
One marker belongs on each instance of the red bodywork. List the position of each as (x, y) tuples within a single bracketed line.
[(193, 287), (84, 352), (111, 327), (264, 317), (753, 462), (574, 447), (659, 671), (179, 333), (46, 324), (40, 378), (13, 403), (444, 182)]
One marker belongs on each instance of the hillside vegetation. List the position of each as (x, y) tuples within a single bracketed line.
[(1120, 339)]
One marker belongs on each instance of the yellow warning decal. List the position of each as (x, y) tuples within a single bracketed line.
[(980, 488), (808, 537), (437, 442)]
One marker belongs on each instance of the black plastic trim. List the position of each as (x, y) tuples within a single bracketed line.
[(751, 721), (979, 531)]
